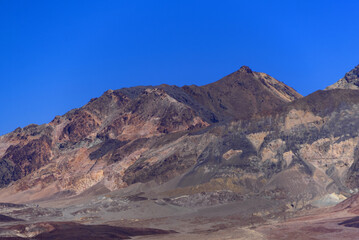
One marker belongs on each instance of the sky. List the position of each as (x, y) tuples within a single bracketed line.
[(56, 55)]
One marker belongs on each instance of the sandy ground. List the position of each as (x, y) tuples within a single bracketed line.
[(252, 219)]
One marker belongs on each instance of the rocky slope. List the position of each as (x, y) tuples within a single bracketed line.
[(349, 81)]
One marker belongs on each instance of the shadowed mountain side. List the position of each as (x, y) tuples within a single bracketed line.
[(242, 94), (324, 102)]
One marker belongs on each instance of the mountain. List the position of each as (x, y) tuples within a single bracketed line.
[(114, 130), (349, 81), (235, 152)]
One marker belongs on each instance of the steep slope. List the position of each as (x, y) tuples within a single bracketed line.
[(242, 94), (349, 81)]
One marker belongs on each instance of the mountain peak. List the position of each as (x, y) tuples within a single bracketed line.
[(245, 69), (352, 75), (349, 81)]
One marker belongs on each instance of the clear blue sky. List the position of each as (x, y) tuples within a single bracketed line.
[(56, 55)]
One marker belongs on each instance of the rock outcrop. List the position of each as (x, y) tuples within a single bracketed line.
[(349, 81)]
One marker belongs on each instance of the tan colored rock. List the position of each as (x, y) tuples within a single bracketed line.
[(299, 117), (271, 150), (288, 157), (257, 138), (230, 153)]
